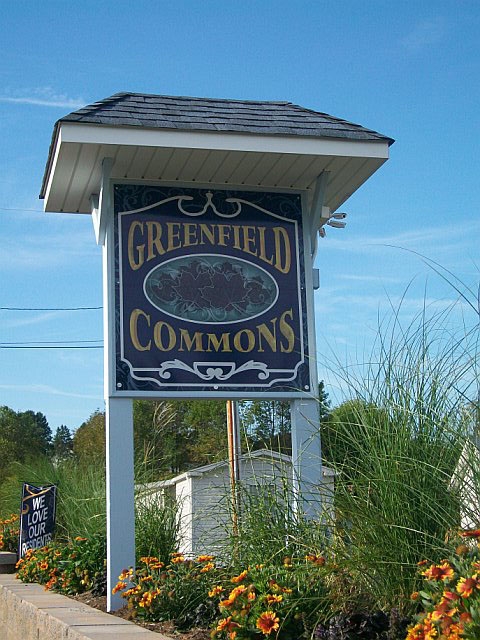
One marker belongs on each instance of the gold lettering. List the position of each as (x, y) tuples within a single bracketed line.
[(237, 340), (279, 245), (173, 235), (249, 240), (262, 255), (208, 233), (185, 337), (215, 342), (136, 255), (157, 336), (236, 236), (134, 316), (287, 332), (223, 234), (271, 338), (190, 234), (154, 233)]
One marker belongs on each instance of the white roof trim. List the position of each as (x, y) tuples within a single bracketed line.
[(221, 141)]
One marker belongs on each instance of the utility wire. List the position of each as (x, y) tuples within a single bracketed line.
[(53, 347), (50, 308), (5, 344)]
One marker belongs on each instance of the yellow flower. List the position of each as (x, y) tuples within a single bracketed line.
[(234, 594), (148, 560), (465, 586), (439, 572), (178, 559), (267, 622), (215, 591), (205, 558), (240, 577), (271, 599), (208, 567), (119, 586)]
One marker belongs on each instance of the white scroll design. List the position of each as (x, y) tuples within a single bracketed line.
[(214, 370)]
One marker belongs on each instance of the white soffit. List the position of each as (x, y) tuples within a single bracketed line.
[(198, 158)]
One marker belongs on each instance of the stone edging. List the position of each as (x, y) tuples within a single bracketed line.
[(28, 612)]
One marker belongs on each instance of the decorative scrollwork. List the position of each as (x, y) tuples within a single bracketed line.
[(207, 371)]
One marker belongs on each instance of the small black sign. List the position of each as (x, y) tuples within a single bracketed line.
[(37, 517)]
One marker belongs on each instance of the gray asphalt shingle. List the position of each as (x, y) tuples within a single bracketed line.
[(209, 114)]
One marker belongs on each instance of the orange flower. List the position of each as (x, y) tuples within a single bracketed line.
[(126, 573), (43, 565), (233, 596), (208, 567), (271, 599), (439, 572), (465, 586), (240, 577), (148, 560), (119, 586), (80, 539), (267, 622), (226, 624), (471, 533), (146, 600), (318, 560), (215, 591), (205, 558), (178, 559)]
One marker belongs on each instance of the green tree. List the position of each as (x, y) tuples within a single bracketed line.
[(26, 432), (62, 443), (267, 424), (89, 439)]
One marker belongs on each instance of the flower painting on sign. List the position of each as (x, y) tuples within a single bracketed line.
[(210, 292)]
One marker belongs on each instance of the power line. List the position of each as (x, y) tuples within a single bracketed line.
[(53, 347), (4, 344), (50, 308), (22, 209)]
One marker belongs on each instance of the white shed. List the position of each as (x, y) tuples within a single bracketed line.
[(465, 482), (203, 496)]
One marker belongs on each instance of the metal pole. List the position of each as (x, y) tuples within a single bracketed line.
[(234, 452)]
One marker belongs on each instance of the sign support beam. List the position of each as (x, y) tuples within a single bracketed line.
[(118, 423)]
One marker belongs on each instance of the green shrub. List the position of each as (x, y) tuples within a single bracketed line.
[(68, 568)]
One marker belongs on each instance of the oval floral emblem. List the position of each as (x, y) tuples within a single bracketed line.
[(211, 289)]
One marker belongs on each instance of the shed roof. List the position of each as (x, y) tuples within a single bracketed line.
[(266, 454), (205, 141)]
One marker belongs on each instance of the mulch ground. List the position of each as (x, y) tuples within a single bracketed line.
[(167, 628)]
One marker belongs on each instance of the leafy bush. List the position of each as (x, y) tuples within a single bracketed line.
[(284, 602), (9, 533), (174, 591), (450, 595), (68, 568)]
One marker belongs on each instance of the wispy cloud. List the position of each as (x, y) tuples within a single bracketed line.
[(424, 34), (352, 277), (43, 97), (47, 390)]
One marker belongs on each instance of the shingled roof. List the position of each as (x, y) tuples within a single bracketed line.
[(206, 141), (211, 114)]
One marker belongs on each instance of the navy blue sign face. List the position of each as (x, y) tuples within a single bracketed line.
[(37, 517), (210, 292)]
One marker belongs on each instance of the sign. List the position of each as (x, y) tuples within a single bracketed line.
[(210, 292), (37, 517)]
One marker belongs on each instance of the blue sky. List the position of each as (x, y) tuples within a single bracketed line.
[(408, 70)]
